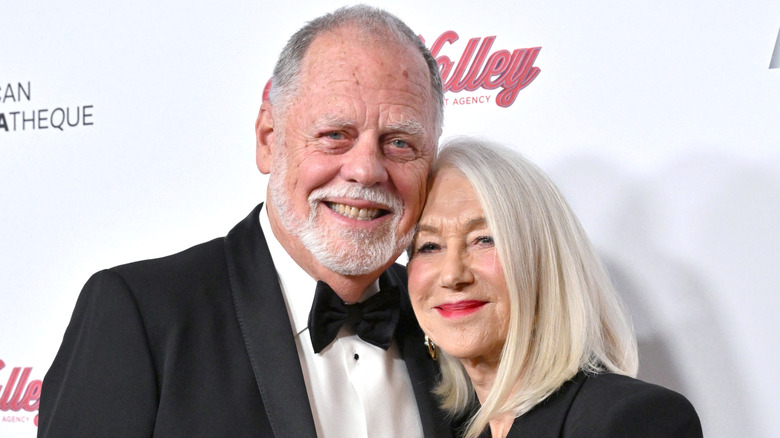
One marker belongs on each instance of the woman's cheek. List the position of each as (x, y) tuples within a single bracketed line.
[(419, 284)]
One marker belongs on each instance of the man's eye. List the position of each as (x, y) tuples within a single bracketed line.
[(400, 144), (335, 135), (400, 150)]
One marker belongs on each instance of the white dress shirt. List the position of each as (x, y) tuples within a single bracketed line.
[(355, 389)]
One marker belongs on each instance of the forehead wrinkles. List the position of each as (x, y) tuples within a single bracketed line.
[(445, 224), (371, 85), (384, 82), (392, 114)]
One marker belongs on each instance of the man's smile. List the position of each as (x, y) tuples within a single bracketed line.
[(351, 212)]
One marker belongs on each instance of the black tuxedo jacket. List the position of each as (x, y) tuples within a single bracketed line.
[(609, 406), (197, 344)]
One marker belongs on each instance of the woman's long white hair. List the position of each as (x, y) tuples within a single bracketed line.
[(565, 314)]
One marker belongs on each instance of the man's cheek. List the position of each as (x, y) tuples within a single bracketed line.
[(412, 185)]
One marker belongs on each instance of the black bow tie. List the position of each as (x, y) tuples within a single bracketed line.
[(374, 320)]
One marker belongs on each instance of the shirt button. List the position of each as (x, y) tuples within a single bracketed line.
[(356, 356)]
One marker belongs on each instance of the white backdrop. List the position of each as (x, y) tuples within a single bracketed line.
[(658, 120)]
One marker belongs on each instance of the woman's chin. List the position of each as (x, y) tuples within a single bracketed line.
[(472, 355)]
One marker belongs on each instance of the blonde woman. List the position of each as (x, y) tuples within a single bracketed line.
[(520, 313)]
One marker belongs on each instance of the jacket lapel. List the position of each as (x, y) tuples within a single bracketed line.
[(265, 326), (546, 419)]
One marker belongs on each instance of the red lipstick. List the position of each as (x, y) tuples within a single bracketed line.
[(459, 309)]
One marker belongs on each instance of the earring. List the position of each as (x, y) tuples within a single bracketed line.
[(431, 348)]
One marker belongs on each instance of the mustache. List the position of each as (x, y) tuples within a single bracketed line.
[(377, 195)]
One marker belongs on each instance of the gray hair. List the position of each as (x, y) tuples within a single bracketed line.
[(565, 315), (284, 83)]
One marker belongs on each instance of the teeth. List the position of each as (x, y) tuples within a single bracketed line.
[(364, 214)]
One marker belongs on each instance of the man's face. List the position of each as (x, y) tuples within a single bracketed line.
[(350, 161)]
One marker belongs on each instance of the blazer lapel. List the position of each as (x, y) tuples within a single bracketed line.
[(546, 419), (262, 316)]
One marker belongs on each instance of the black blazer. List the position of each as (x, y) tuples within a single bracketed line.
[(198, 344), (609, 406)]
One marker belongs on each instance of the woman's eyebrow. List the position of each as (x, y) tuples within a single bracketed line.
[(427, 228), (477, 222)]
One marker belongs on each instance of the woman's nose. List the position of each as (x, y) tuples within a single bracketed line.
[(456, 270)]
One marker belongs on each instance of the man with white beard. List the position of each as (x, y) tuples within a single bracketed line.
[(297, 323)]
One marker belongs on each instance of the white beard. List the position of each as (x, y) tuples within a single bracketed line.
[(342, 250)]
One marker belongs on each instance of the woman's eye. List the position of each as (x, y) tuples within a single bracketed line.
[(484, 240), (427, 247)]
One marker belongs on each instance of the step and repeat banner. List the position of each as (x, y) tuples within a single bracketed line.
[(127, 132)]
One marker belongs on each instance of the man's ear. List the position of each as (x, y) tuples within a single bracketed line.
[(264, 133)]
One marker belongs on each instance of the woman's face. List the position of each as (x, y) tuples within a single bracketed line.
[(456, 282)]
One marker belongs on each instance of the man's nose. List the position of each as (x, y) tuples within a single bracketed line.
[(365, 163)]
